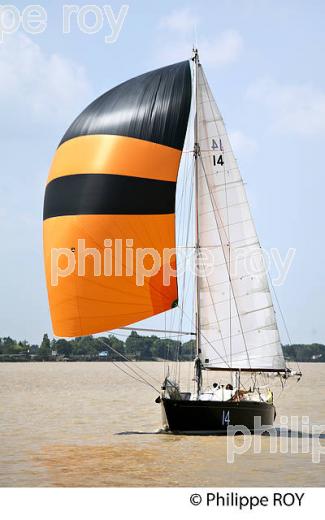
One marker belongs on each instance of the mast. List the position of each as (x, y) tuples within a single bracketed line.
[(198, 368)]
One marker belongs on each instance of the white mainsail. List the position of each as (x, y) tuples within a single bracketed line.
[(236, 318)]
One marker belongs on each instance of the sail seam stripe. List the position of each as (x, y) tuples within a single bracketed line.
[(108, 194), (215, 312), (223, 207), (255, 348), (258, 329)]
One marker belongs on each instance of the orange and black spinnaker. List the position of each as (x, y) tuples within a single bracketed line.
[(113, 178)]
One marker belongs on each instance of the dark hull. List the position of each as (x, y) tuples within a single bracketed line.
[(215, 416)]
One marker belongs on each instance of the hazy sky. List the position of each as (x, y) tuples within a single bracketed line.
[(264, 61)]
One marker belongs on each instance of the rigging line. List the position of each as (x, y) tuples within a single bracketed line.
[(229, 261), (282, 317), (229, 276), (199, 332), (181, 325), (165, 322), (185, 167), (187, 228), (174, 337), (183, 229), (189, 290), (190, 177), (129, 361), (184, 177), (135, 379), (188, 278), (163, 331), (215, 312), (183, 182), (180, 225)]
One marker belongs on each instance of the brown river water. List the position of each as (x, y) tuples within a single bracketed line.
[(88, 424)]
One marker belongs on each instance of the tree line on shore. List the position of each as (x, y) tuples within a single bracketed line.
[(90, 348), (135, 347)]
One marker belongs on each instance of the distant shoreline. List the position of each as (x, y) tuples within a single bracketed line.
[(83, 360), (134, 347)]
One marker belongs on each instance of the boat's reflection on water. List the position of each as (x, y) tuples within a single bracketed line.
[(278, 432)]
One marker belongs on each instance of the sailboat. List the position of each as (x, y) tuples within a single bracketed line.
[(113, 182)]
